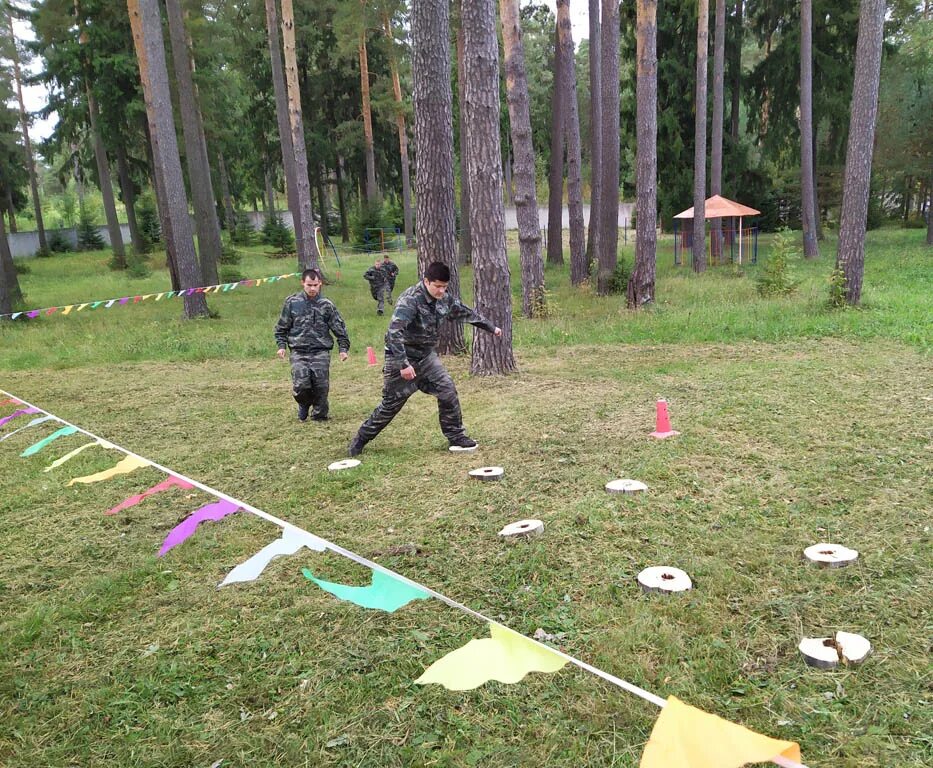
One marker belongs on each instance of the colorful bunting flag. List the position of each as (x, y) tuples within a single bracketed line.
[(32, 423), (170, 482), (385, 593), (122, 467), (505, 656), (10, 401), (81, 306), (20, 412), (67, 309), (291, 541), (36, 447), (687, 737), (58, 462), (187, 527)]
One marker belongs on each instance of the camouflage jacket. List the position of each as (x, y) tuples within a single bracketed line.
[(390, 268), (412, 333), (376, 277), (306, 325)]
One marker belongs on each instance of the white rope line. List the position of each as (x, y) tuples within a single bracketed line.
[(350, 555)]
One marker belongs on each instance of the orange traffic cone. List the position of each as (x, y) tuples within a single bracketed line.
[(663, 422), (371, 356)]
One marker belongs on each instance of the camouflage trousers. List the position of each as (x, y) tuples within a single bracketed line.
[(382, 295), (311, 379), (431, 378)]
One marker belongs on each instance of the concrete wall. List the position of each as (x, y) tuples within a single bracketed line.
[(23, 245)]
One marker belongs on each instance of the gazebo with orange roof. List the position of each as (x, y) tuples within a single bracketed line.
[(719, 207)]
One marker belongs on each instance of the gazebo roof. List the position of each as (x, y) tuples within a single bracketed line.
[(718, 207)]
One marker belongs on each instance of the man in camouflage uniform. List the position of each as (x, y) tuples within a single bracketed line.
[(412, 363), (378, 280), (305, 327), (391, 271)]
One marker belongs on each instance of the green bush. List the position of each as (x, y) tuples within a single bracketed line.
[(229, 274), (837, 288), (229, 254), (243, 233), (58, 243), (366, 220), (279, 236), (43, 253), (147, 218), (21, 267), (89, 238), (775, 278), (137, 267), (618, 283)]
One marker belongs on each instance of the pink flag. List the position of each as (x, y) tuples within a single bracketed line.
[(188, 526), (132, 501), (20, 412), (9, 401)]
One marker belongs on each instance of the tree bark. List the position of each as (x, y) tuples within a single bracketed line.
[(27, 145), (737, 76), (807, 179), (592, 248), (11, 209), (435, 216), (199, 169), (106, 184), (466, 250), (129, 200), (307, 246), (555, 186), (10, 292), (402, 138), (282, 119), (609, 190), (526, 200), (719, 71), (930, 212), (161, 201), (491, 286), (372, 191), (578, 263), (699, 155), (176, 222), (229, 212), (850, 256), (641, 282), (342, 202)]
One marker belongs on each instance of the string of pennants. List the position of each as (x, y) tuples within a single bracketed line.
[(682, 737), (67, 309)]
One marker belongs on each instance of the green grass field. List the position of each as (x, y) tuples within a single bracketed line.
[(799, 424)]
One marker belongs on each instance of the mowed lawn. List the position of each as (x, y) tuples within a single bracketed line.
[(799, 424)]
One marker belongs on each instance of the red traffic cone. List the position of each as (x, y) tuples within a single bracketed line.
[(663, 422), (371, 356)]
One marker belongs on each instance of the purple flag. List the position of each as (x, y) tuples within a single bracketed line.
[(124, 300), (187, 527), (20, 412), (33, 313)]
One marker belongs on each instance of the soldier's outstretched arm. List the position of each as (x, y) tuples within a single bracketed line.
[(460, 311)]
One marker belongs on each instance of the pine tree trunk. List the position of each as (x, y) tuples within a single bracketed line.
[(930, 213), (129, 200), (11, 209), (719, 71), (176, 222), (199, 170), (322, 202), (807, 179), (106, 185), (850, 256), (526, 200), (10, 292), (466, 251), (578, 263), (27, 145), (270, 192), (817, 217), (507, 178), (592, 248), (372, 191), (699, 155), (737, 77), (402, 138), (555, 186), (491, 288), (307, 246), (435, 216), (641, 282), (229, 212), (282, 119), (609, 190), (342, 202), (156, 179)]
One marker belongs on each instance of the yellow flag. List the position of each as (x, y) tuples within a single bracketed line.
[(148, 296), (67, 309), (505, 656), (687, 737), (127, 464), (82, 306), (160, 296), (67, 456)]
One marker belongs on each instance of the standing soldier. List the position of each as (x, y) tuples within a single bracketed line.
[(305, 327), (412, 363), (377, 278), (391, 270)]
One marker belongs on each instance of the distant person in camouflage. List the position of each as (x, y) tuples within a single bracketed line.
[(391, 270), (411, 358), (377, 284), (305, 327)]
